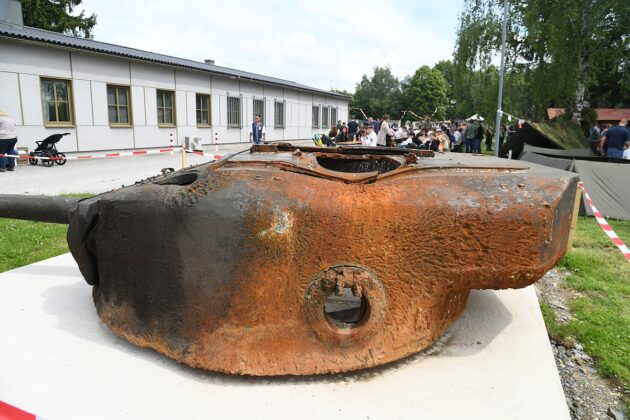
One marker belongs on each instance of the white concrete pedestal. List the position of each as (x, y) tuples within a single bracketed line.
[(58, 361)]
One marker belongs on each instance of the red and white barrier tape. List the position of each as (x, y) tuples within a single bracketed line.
[(9, 412), (608, 230), (115, 155), (210, 155), (106, 155)]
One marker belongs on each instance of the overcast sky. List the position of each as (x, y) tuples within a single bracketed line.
[(317, 43)]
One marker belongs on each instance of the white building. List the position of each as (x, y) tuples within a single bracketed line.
[(113, 97)]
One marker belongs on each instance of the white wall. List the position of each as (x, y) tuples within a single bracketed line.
[(23, 63), (9, 89)]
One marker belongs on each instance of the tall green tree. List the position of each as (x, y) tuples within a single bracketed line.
[(447, 69), (560, 53), (377, 95), (58, 16), (426, 93)]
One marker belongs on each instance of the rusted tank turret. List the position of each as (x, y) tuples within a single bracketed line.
[(305, 261)]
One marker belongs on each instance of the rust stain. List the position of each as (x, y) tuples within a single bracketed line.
[(243, 256)]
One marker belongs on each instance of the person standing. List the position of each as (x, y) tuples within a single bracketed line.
[(457, 139), (616, 138), (258, 132), (385, 134), (399, 133), (595, 134), (469, 135), (8, 138), (489, 137), (374, 124), (478, 138), (353, 129), (449, 134)]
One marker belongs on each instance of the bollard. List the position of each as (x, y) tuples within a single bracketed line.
[(183, 156), (216, 142), (170, 141), (510, 154)]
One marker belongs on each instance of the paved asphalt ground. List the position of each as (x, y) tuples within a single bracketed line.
[(101, 174)]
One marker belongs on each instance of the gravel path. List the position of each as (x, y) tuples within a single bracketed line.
[(588, 395)]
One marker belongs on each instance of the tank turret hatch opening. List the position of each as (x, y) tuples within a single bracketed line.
[(358, 164)]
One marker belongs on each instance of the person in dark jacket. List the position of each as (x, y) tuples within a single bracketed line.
[(353, 129), (469, 136), (489, 134), (342, 135), (478, 138)]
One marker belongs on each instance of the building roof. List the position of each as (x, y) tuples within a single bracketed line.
[(554, 112), (603, 114), (55, 38), (612, 114)]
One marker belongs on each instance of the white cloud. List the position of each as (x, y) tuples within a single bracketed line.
[(307, 42)]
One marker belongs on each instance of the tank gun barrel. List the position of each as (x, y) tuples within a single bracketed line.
[(39, 208)]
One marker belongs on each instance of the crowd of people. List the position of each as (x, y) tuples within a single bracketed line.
[(612, 141), (465, 136)]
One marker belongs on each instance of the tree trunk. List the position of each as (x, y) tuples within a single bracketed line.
[(578, 105), (580, 89)]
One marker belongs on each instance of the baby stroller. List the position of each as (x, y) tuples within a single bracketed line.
[(47, 148)]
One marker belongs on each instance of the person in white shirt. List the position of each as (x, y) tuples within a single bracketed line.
[(458, 137), (406, 142), (400, 132), (369, 138), (384, 132)]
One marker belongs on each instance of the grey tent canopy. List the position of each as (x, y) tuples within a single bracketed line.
[(606, 182)]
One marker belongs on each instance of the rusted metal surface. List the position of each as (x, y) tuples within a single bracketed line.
[(245, 265)]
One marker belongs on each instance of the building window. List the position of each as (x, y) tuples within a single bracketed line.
[(203, 110), (333, 116), (118, 105), (278, 115), (166, 107), (234, 111), (325, 116), (315, 116), (57, 101), (259, 109)]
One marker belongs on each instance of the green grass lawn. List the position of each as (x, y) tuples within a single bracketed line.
[(23, 242), (602, 314)]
